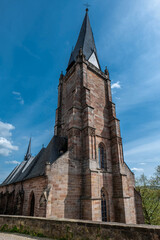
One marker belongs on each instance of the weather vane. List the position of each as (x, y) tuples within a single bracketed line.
[(87, 6)]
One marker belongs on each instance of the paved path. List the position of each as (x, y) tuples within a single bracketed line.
[(15, 236)]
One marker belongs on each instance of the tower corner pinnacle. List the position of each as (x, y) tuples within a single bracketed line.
[(106, 71)]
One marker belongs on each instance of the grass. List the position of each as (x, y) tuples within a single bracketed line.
[(21, 230)]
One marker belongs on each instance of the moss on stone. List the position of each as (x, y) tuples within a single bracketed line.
[(21, 230)]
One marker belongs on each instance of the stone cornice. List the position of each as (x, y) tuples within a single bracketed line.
[(90, 66)]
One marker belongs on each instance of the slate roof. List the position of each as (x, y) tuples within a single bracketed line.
[(85, 41), (35, 166)]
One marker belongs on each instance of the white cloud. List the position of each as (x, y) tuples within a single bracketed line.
[(5, 129), (116, 85), (21, 101), (30, 52), (6, 147), (137, 169), (143, 145), (144, 152), (12, 162), (18, 97), (16, 93)]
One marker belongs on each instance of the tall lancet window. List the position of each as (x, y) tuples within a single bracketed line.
[(103, 206), (101, 156), (32, 204)]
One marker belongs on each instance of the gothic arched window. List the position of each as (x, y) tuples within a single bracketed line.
[(101, 156), (32, 204), (103, 206), (19, 199)]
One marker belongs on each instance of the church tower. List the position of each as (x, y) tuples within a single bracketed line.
[(81, 174), (86, 117)]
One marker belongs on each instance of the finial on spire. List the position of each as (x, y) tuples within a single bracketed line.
[(87, 7), (28, 153)]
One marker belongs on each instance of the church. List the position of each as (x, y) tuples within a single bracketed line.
[(81, 174)]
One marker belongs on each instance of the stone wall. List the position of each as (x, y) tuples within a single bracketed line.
[(64, 182), (15, 199), (86, 116), (139, 211), (81, 230)]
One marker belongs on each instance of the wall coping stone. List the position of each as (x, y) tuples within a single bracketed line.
[(85, 222), (82, 229)]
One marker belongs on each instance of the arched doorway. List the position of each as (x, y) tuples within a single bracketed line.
[(103, 206), (32, 204)]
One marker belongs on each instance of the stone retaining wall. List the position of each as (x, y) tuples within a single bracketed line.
[(81, 230)]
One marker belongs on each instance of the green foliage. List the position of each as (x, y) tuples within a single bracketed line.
[(142, 181), (15, 229), (150, 193), (150, 204), (155, 181), (4, 228)]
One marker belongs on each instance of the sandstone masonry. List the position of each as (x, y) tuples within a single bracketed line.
[(89, 179)]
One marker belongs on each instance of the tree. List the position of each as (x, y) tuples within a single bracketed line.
[(150, 193), (151, 205), (142, 180), (155, 181)]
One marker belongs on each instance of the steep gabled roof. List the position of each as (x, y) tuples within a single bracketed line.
[(35, 166), (85, 41)]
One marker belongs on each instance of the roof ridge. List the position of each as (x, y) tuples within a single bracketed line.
[(85, 20)]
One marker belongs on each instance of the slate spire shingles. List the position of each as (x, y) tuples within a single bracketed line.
[(85, 41), (28, 153)]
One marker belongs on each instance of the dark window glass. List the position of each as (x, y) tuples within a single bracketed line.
[(103, 206), (101, 156), (32, 205)]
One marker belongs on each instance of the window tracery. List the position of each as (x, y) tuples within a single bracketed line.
[(103, 206), (102, 156)]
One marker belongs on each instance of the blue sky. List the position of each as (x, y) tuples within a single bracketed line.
[(36, 38)]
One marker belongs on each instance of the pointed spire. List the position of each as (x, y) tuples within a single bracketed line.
[(86, 42), (28, 153)]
